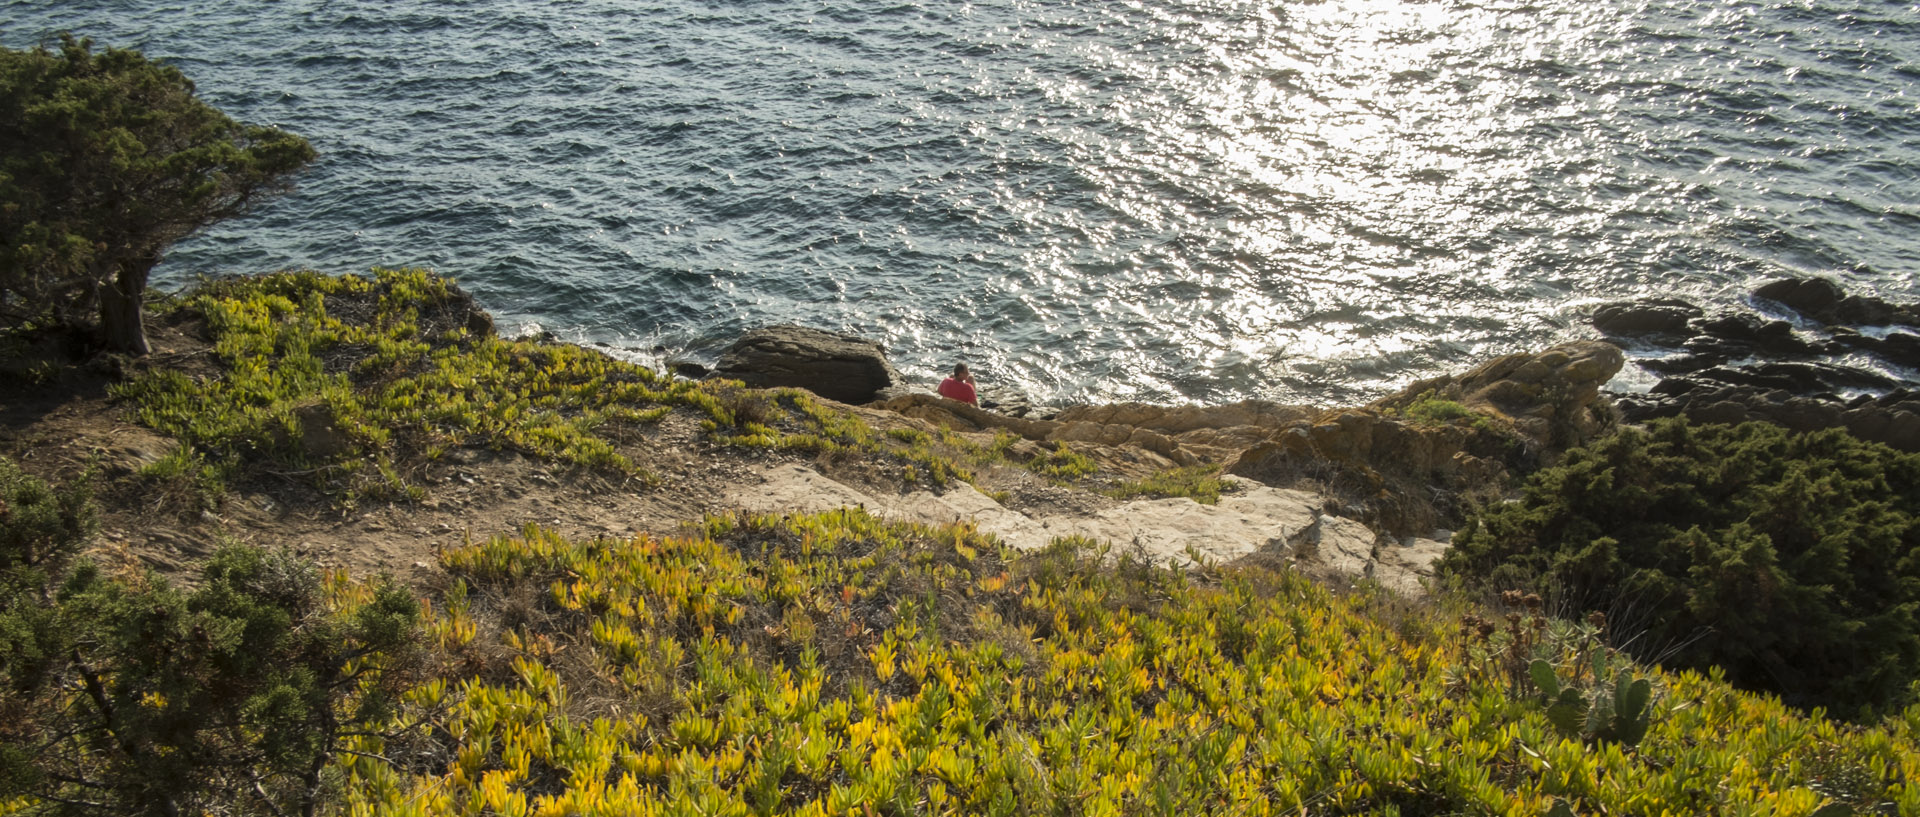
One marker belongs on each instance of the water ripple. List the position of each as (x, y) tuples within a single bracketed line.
[(1164, 200)]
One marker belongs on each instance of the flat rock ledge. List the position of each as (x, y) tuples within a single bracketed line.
[(1291, 525)]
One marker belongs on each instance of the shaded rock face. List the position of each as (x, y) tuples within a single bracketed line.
[(832, 365), (959, 416), (1186, 435), (1741, 366), (1408, 473)]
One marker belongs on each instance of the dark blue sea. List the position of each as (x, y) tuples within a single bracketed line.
[(1092, 200)]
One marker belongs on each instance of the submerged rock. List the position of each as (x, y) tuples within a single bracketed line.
[(689, 369), (835, 366)]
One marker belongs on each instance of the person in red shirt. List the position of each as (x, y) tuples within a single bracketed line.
[(960, 386)]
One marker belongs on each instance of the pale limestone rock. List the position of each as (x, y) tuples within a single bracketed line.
[(1252, 519), (959, 416)]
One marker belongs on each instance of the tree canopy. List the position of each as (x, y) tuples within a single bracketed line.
[(106, 159)]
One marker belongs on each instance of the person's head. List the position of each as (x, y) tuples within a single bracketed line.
[(960, 370)]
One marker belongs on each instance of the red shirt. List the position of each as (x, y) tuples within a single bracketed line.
[(959, 390)]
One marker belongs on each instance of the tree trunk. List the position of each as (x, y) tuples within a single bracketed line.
[(121, 325)]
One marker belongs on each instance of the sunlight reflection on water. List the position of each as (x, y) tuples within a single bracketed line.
[(1163, 200)]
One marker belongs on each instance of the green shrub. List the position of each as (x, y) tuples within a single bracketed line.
[(1200, 483), (107, 159), (130, 697), (1797, 553), (42, 526), (184, 476), (126, 696)]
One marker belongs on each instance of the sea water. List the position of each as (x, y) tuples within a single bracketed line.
[(1085, 200)]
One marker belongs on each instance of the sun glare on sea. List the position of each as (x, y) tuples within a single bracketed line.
[(1352, 145)]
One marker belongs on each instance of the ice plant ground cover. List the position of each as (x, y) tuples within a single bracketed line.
[(393, 370), (836, 664)]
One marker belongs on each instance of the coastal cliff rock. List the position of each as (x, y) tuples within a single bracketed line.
[(1409, 461), (960, 416), (1193, 433), (1552, 397), (1405, 463), (835, 366)]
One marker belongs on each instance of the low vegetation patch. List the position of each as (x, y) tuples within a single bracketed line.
[(835, 664), (1062, 464), (1200, 483), (361, 380), (1788, 560), (1433, 410), (360, 383)]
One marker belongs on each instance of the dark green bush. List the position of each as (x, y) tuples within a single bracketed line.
[(1787, 559), (128, 696), (41, 526)]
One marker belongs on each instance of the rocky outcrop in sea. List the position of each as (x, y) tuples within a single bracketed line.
[(1807, 356)]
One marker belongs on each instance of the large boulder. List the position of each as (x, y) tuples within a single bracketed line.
[(835, 366), (1647, 316), (1552, 398), (1824, 301)]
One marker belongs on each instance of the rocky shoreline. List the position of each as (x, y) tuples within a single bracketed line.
[(1805, 356), (1368, 490), (1405, 464)]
